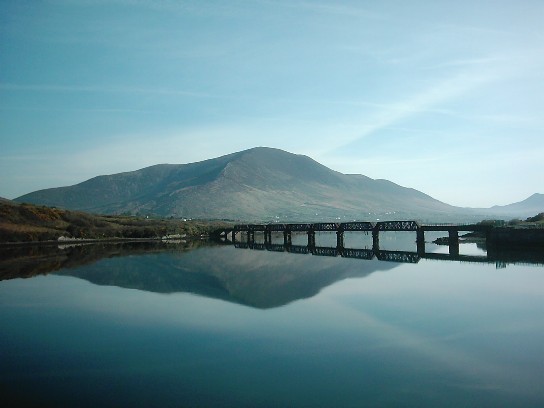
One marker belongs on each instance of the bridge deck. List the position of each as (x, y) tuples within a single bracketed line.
[(381, 226), (454, 227)]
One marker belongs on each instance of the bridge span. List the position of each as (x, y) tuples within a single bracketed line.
[(340, 228)]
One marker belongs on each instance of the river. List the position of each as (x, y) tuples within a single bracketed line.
[(198, 325)]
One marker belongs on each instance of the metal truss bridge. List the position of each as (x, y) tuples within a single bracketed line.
[(246, 234)]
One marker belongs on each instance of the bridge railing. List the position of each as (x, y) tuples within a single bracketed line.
[(383, 226), (397, 226), (357, 226), (449, 224)]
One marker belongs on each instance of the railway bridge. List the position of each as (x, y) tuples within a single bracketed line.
[(310, 230)]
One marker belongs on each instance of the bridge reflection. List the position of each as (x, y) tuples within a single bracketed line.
[(364, 253)]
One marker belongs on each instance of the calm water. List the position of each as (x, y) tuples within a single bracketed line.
[(220, 326)]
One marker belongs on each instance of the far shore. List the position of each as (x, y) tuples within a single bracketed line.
[(111, 240)]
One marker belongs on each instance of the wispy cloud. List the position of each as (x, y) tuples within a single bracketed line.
[(467, 62), (424, 101), (474, 369), (468, 77)]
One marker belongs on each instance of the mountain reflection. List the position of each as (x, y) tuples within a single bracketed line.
[(257, 278)]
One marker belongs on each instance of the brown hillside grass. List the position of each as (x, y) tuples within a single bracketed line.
[(26, 222)]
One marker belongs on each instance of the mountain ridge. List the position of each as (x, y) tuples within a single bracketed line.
[(534, 204), (256, 184)]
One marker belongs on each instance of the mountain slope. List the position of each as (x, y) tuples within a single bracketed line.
[(526, 208), (255, 184)]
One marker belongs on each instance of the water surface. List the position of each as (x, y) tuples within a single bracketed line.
[(220, 326)]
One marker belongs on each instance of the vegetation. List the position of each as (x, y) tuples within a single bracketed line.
[(537, 218), (27, 222), (536, 221)]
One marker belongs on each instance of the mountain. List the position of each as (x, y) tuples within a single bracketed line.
[(526, 208), (256, 184), (261, 279)]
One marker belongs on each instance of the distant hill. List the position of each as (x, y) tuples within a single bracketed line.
[(260, 184), (526, 208), (255, 184)]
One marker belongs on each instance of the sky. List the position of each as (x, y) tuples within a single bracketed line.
[(446, 97)]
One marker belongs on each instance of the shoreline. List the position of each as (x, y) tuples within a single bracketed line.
[(82, 241)]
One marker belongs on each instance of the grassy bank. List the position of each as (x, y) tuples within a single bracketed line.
[(30, 223)]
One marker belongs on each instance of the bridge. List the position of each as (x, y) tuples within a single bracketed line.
[(310, 229), (365, 253)]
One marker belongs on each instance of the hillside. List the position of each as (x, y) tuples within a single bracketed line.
[(257, 184), (526, 208), (27, 222)]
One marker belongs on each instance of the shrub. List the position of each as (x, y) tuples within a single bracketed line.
[(536, 218)]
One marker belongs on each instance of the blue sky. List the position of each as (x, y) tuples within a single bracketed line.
[(446, 97)]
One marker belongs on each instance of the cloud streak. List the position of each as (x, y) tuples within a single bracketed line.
[(472, 75), (428, 100), (475, 370)]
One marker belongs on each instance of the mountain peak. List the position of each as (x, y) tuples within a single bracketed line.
[(529, 207), (261, 183)]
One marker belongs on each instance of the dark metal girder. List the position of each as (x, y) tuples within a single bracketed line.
[(357, 226), (398, 256), (298, 249), (324, 251), (397, 226), (358, 253), (325, 226), (275, 247), (298, 227)]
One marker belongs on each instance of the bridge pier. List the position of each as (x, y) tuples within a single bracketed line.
[(311, 238), (375, 240), (339, 239), (420, 235), (286, 237), (250, 237), (267, 236), (453, 236), (420, 241)]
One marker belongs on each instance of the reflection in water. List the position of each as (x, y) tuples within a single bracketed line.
[(254, 279), (429, 334), (26, 261)]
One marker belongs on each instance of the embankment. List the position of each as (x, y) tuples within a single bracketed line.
[(533, 237)]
